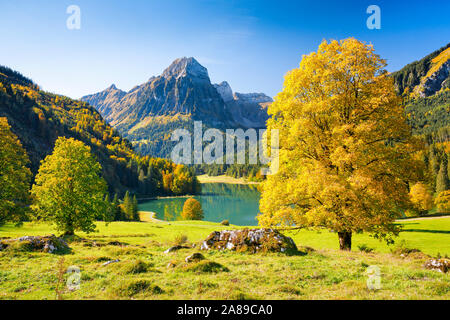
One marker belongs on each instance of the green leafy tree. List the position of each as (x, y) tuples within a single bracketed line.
[(69, 190), (15, 177)]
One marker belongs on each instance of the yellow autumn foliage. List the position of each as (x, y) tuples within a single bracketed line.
[(346, 151)]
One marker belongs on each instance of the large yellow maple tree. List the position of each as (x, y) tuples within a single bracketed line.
[(346, 153)]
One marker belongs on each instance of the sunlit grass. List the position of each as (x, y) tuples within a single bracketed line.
[(323, 274)]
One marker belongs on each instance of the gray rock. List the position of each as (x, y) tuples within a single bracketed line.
[(251, 240), (441, 265), (109, 262), (49, 244)]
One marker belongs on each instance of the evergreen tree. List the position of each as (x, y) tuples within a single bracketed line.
[(442, 183), (109, 213), (118, 213), (135, 209), (128, 206)]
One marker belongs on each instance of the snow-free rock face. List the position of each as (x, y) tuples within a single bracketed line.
[(249, 240), (183, 88), (249, 110), (437, 80), (105, 100), (225, 91), (186, 67), (252, 97)]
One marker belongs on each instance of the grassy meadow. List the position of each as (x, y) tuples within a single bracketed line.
[(319, 271)]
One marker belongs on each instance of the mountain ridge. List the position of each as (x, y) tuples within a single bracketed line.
[(184, 89)]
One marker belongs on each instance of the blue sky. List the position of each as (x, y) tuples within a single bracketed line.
[(251, 44)]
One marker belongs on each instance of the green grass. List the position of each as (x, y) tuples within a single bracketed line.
[(142, 272)]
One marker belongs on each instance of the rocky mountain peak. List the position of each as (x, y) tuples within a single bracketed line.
[(224, 90), (183, 67), (112, 87)]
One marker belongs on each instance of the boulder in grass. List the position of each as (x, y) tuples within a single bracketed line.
[(442, 265), (250, 240), (48, 244)]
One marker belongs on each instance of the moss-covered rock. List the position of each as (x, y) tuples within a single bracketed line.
[(249, 240), (49, 244)]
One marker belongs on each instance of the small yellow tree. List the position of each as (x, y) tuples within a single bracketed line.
[(346, 151), (442, 201), (421, 198), (192, 210)]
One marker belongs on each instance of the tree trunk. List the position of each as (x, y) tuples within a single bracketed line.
[(345, 241)]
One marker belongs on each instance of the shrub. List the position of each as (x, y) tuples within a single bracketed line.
[(364, 248), (132, 287), (180, 239), (135, 267), (402, 248), (192, 210), (206, 266), (21, 246), (225, 223)]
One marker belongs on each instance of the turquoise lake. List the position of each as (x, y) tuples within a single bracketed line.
[(236, 203)]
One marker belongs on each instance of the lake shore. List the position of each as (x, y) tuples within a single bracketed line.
[(223, 179)]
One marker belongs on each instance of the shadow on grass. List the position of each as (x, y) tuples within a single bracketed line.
[(426, 231)]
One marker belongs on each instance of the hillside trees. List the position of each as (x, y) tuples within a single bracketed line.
[(346, 152), (39, 118), (15, 176)]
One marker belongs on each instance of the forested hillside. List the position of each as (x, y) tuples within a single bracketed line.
[(426, 76), (425, 88), (39, 117)]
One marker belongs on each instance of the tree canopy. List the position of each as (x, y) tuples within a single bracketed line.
[(15, 176), (346, 151), (69, 189), (192, 210)]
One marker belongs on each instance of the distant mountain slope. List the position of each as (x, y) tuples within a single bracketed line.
[(427, 76), (38, 118), (425, 86), (183, 93)]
